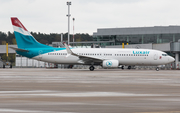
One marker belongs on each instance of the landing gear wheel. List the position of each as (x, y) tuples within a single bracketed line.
[(91, 68), (157, 69), (122, 67), (129, 67)]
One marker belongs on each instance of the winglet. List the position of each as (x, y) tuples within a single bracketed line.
[(69, 51)]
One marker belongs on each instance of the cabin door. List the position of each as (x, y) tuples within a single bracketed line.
[(155, 56)]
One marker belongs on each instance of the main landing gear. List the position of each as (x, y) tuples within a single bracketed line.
[(129, 67), (122, 67), (91, 68), (157, 69)]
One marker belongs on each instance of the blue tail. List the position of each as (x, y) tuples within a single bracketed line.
[(23, 38)]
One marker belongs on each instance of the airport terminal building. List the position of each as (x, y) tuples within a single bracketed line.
[(138, 35)]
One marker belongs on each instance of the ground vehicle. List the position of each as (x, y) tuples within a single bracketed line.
[(5, 64)]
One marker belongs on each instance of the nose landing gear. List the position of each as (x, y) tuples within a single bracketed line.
[(91, 68)]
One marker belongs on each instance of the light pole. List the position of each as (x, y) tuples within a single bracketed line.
[(68, 15), (73, 30)]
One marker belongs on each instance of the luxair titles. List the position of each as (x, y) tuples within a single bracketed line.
[(141, 52)]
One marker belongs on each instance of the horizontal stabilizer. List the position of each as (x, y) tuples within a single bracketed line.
[(17, 49)]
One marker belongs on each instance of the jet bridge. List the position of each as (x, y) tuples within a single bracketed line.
[(175, 48)]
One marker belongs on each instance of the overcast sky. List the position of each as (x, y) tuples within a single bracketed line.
[(49, 16)]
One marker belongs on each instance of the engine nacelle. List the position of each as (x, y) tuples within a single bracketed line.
[(110, 63)]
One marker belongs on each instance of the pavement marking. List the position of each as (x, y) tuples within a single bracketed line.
[(28, 111)]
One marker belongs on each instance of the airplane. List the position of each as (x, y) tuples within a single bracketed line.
[(29, 47)]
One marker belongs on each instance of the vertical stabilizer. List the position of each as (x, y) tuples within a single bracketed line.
[(23, 38)]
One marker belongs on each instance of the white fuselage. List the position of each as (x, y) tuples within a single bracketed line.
[(124, 56)]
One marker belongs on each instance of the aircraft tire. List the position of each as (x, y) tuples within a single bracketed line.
[(122, 67), (91, 68), (157, 69), (129, 67)]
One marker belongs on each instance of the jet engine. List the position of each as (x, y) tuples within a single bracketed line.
[(110, 63)]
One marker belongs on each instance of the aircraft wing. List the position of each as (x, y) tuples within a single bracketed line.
[(83, 59), (88, 60)]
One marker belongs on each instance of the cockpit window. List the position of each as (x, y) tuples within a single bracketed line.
[(164, 54)]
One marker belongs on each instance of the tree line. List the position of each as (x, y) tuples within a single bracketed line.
[(45, 38)]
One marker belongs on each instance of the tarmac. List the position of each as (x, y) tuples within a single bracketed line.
[(32, 90)]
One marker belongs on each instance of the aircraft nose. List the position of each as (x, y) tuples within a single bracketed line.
[(171, 59)]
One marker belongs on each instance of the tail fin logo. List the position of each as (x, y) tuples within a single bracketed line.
[(16, 22)]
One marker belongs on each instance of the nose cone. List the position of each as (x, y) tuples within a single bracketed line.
[(171, 59)]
